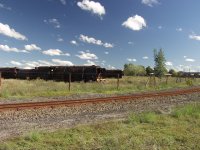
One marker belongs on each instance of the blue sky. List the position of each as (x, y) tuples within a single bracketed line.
[(106, 33)]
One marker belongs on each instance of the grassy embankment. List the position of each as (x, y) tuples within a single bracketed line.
[(40, 88), (178, 130)]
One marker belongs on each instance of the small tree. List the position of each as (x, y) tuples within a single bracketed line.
[(134, 70), (160, 60), (149, 70), (173, 72)]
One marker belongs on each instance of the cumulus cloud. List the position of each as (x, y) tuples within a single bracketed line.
[(86, 55), (89, 63), (168, 63), (55, 52), (150, 3), (15, 63), (106, 53), (108, 45), (60, 40), (7, 31), (63, 2), (73, 42), (54, 22), (135, 23), (62, 62), (31, 47), (2, 6), (190, 60), (94, 41), (111, 67), (131, 59), (93, 7), (179, 29), (6, 48), (194, 37), (160, 27), (145, 57), (130, 43)]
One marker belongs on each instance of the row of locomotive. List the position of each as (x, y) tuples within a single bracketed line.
[(61, 73)]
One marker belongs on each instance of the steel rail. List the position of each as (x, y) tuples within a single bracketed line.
[(34, 105)]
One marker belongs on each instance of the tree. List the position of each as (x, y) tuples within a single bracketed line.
[(160, 60), (134, 70), (149, 70), (173, 72)]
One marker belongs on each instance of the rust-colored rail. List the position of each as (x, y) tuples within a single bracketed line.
[(33, 105)]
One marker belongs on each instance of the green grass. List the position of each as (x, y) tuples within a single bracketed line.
[(39, 88), (149, 130)]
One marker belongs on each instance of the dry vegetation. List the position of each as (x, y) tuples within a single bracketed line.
[(40, 88)]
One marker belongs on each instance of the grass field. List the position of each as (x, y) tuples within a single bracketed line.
[(39, 88), (178, 130)]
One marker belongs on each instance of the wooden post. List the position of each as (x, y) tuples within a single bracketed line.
[(154, 81), (166, 79), (69, 81), (0, 79), (118, 82)]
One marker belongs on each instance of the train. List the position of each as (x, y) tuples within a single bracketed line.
[(61, 73)]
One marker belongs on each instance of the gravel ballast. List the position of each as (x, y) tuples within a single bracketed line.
[(15, 123)]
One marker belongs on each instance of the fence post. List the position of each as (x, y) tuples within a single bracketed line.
[(154, 82), (69, 81), (0, 79), (118, 82)]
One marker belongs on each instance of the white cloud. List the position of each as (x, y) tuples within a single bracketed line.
[(74, 42), (106, 53), (92, 40), (184, 56), (190, 60), (108, 45), (33, 64), (63, 2), (135, 23), (89, 63), (55, 52), (31, 47), (168, 63), (6, 30), (87, 55), (130, 43), (131, 60), (145, 57), (160, 27), (45, 63), (60, 40), (195, 37), (150, 3), (4, 7), (54, 22), (16, 63), (179, 29), (6, 48), (93, 7), (111, 67), (62, 62)]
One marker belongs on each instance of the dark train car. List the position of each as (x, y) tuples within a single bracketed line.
[(9, 73), (78, 73), (24, 74), (112, 73), (44, 72)]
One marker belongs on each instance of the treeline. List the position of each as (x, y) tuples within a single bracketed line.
[(159, 69)]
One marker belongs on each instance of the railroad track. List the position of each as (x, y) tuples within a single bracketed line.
[(52, 104)]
